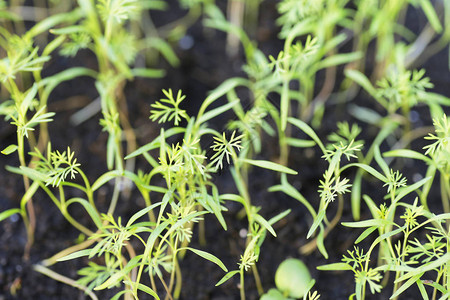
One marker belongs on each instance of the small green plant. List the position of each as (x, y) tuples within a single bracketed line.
[(171, 184), (293, 281), (437, 158), (409, 258)]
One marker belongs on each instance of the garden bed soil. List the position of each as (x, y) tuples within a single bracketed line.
[(203, 67)]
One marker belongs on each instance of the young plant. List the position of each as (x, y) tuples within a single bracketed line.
[(27, 107), (393, 255), (436, 157), (332, 187), (409, 258), (293, 281)]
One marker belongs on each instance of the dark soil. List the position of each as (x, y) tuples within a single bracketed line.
[(203, 67)]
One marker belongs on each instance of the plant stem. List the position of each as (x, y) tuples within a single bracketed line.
[(64, 279), (115, 197), (241, 285), (31, 219), (165, 287), (179, 281), (445, 192), (174, 261), (259, 286), (235, 12)]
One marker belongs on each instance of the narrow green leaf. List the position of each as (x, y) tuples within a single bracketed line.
[(221, 90), (8, 213), (265, 224), (216, 111), (431, 172), (386, 236), (49, 22), (111, 281), (148, 73), (207, 256), (438, 287), (288, 189), (371, 204), (362, 80), (51, 82), (156, 142), (29, 172), (406, 190), (232, 197), (116, 277), (365, 234), (356, 196), (368, 169), (422, 290), (141, 213), (299, 143), (317, 222), (214, 202), (164, 48), (90, 209), (406, 285), (69, 30), (147, 290), (119, 294), (269, 165), (143, 288), (320, 243), (335, 267), (425, 268), (367, 223), (227, 276), (338, 59), (310, 285), (10, 149), (74, 255), (30, 95), (309, 131), (278, 217), (406, 153), (435, 98), (365, 114), (105, 178), (8, 15), (152, 238), (431, 14), (383, 165)]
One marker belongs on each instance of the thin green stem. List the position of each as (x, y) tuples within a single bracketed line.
[(115, 196), (259, 286), (64, 212), (30, 221), (241, 285), (179, 281), (174, 259), (165, 287), (445, 192)]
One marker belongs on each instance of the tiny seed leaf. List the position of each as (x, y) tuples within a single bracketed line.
[(10, 149)]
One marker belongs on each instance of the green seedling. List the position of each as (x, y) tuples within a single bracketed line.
[(293, 281), (179, 176)]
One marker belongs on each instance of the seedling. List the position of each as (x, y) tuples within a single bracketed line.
[(293, 281), (281, 101)]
